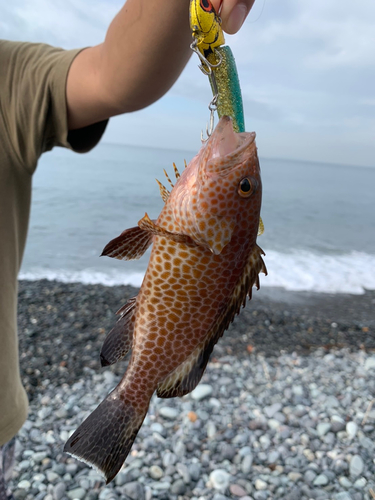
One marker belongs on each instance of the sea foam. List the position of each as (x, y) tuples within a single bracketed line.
[(296, 271)]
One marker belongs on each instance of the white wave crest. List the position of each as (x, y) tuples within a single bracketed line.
[(298, 271), (86, 276), (304, 271)]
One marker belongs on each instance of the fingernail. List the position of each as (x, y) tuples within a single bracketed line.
[(236, 18)]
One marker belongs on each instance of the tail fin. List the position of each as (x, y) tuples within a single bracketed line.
[(105, 438)]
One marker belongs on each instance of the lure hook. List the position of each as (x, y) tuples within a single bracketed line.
[(212, 107), (206, 67)]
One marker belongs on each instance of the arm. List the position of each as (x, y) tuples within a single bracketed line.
[(146, 47)]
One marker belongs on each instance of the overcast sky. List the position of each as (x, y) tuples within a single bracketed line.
[(307, 71)]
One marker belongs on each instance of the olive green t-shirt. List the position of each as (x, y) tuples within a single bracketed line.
[(33, 119)]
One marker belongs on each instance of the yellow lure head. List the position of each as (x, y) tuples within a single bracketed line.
[(205, 25)]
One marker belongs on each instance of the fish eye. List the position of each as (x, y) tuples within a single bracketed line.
[(245, 188)]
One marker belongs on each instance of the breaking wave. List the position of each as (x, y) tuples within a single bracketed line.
[(296, 271)]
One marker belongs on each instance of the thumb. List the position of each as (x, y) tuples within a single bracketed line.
[(233, 13)]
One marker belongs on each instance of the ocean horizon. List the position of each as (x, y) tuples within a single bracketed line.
[(319, 218)]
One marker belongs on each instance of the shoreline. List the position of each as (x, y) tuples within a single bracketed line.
[(272, 417), (62, 326)]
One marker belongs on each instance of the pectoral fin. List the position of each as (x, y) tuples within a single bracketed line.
[(148, 225), (120, 339), (131, 244)]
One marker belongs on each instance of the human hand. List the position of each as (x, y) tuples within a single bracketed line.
[(233, 13)]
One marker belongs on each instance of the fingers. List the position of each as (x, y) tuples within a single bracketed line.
[(233, 13)]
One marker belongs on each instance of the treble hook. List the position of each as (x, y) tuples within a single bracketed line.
[(212, 107), (205, 63), (207, 68)]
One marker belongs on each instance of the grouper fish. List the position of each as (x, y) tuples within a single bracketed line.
[(203, 265)]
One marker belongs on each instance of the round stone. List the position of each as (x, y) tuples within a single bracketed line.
[(356, 466), (260, 484), (237, 490), (247, 463), (321, 480), (134, 490), (351, 429), (77, 493), (24, 485), (219, 479), (168, 412), (178, 487), (156, 472), (322, 428), (202, 391)]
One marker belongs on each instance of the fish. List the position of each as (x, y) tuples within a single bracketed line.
[(203, 265)]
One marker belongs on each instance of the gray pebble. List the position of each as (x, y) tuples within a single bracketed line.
[(345, 483), (219, 496), (370, 363), (59, 491), (351, 429), (134, 490), (169, 459), (24, 485), (156, 472), (356, 466), (247, 463), (202, 391), (195, 471), (20, 494), (343, 495), (309, 476), (272, 409), (260, 484), (219, 479), (77, 493), (178, 487), (168, 412), (323, 428), (321, 480), (183, 470)]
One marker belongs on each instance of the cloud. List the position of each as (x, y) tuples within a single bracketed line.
[(64, 23), (306, 71)]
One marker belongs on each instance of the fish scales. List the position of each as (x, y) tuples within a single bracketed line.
[(203, 264)]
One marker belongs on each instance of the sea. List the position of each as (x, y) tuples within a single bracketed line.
[(319, 218)]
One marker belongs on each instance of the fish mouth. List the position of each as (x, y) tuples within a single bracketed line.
[(224, 141)]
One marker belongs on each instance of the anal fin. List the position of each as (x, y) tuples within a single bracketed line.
[(187, 376), (120, 339)]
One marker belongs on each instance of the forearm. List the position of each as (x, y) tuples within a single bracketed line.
[(145, 50)]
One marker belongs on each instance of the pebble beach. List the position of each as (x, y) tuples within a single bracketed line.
[(285, 408)]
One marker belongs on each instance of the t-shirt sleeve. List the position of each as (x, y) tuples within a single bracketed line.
[(33, 102)]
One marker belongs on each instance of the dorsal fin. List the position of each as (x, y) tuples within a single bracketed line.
[(176, 172), (168, 179), (164, 193)]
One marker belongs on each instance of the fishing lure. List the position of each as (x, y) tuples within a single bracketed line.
[(217, 61)]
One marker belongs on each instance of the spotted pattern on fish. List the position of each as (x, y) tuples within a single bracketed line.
[(203, 264)]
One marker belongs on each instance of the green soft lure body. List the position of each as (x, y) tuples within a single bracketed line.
[(229, 101)]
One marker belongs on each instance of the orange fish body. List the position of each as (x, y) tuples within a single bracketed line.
[(204, 262)]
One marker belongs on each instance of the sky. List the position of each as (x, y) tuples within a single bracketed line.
[(307, 72)]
